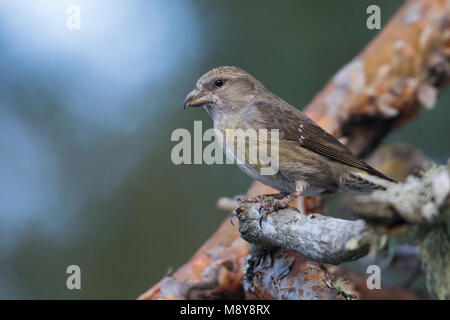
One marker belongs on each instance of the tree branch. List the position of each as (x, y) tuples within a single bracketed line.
[(283, 275), (317, 237), (418, 200)]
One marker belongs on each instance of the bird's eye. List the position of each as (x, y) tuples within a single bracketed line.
[(218, 83)]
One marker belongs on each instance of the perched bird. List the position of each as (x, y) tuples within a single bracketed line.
[(311, 161)]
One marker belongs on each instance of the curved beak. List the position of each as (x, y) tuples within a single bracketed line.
[(196, 98)]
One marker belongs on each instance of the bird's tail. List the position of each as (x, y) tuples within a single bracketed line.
[(365, 182)]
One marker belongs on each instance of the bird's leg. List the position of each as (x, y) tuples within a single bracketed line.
[(282, 203), (250, 199), (261, 197)]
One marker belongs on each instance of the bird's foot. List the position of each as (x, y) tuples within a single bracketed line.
[(270, 203), (235, 213), (277, 204)]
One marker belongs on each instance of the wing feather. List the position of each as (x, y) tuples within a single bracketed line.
[(295, 126)]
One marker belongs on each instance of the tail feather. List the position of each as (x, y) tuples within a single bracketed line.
[(365, 182), (377, 173)]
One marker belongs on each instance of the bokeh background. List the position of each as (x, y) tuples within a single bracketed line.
[(86, 117)]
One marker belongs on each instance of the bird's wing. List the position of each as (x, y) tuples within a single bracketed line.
[(293, 125)]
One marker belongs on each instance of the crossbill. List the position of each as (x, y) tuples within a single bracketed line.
[(311, 161)]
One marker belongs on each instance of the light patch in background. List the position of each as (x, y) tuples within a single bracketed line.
[(97, 76), (121, 48), (28, 179)]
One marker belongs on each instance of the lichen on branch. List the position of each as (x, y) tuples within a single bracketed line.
[(320, 238)]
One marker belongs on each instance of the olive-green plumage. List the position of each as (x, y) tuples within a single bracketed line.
[(311, 161)]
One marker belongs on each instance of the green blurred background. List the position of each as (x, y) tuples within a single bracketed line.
[(86, 117)]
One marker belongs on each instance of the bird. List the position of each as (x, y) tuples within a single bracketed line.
[(311, 161)]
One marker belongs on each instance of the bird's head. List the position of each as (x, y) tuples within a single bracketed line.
[(223, 89)]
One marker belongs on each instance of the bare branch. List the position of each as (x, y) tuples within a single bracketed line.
[(418, 200), (320, 238)]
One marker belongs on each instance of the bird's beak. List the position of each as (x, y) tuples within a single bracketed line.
[(196, 98)]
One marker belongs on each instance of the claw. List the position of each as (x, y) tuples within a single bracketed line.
[(267, 208), (234, 214), (231, 217)]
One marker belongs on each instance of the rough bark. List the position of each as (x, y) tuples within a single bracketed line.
[(317, 237), (282, 275)]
